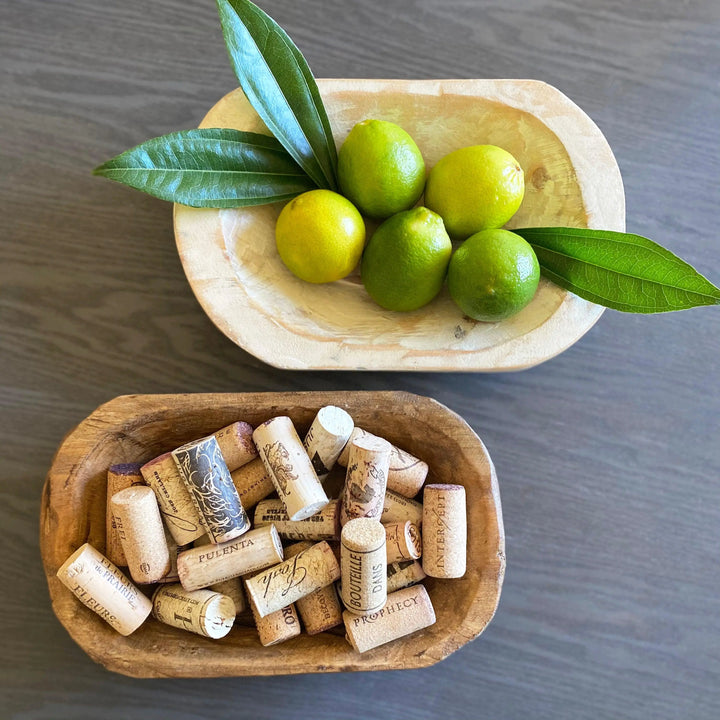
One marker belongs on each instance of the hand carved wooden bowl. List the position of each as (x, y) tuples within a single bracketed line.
[(136, 428), (571, 177)]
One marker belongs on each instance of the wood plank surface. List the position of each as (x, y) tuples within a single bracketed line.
[(608, 456)]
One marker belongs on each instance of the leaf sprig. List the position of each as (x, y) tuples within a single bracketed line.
[(224, 168), (278, 83), (227, 168), (621, 271), (211, 168)]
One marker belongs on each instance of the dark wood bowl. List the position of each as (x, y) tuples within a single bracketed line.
[(136, 428)]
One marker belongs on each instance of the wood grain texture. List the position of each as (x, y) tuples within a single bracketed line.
[(607, 456), (137, 428), (571, 178)]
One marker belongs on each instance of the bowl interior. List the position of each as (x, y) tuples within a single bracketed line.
[(439, 124), (74, 512)]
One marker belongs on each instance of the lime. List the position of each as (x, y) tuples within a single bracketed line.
[(404, 264), (320, 236), (380, 168), (493, 275), (475, 188)]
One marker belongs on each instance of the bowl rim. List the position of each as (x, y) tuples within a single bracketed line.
[(61, 488), (213, 280)]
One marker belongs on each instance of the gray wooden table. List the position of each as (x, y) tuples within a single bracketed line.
[(608, 456)]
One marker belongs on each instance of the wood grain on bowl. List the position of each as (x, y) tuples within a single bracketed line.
[(136, 428), (572, 179)]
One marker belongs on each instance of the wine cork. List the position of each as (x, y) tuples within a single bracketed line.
[(141, 532), (406, 473), (406, 611), (206, 565), (320, 610), (366, 479), (234, 590), (172, 576), (204, 612), (283, 584), (444, 531), (119, 478), (397, 508), (290, 468), (276, 627), (252, 482), (335, 547), (356, 433), (364, 566), (202, 468), (236, 444), (176, 505), (403, 574), (323, 525), (328, 435), (100, 586), (403, 541)]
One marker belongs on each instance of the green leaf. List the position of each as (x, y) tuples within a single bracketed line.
[(278, 83), (619, 270), (217, 168)]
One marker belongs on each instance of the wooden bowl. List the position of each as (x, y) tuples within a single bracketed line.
[(136, 428), (572, 179)]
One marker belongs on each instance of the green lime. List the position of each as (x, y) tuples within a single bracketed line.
[(493, 275), (380, 168), (475, 188), (320, 236), (404, 264)]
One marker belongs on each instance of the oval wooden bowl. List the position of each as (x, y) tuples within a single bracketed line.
[(136, 428), (572, 179)]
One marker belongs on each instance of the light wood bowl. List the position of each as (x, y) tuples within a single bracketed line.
[(572, 179), (136, 428)]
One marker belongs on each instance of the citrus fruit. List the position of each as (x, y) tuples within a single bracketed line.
[(404, 264), (320, 236), (475, 188), (493, 275), (380, 168)]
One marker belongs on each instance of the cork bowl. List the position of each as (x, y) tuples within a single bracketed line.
[(571, 178), (136, 428)]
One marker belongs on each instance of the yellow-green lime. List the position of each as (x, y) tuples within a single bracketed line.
[(320, 236), (380, 168), (493, 275), (404, 264), (475, 188)]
